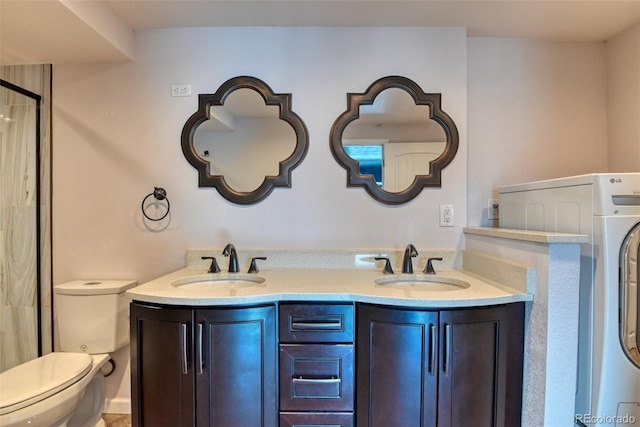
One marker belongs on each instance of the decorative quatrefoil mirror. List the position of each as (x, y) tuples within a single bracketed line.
[(244, 140), (394, 140)]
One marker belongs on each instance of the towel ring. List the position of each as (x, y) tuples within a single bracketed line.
[(159, 194)]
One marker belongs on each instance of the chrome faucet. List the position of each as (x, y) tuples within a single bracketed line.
[(407, 265), (230, 251)]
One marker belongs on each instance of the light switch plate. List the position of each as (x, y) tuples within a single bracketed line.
[(180, 90)]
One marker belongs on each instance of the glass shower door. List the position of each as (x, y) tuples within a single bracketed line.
[(19, 226)]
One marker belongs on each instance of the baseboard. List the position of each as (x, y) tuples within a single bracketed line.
[(118, 405)]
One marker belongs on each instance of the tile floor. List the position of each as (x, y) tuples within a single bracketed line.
[(117, 420)]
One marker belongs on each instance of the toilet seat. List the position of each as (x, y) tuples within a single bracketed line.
[(40, 378)]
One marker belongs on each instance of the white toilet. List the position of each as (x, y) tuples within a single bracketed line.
[(66, 388)]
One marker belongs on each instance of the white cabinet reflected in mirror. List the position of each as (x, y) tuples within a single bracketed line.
[(244, 140), (394, 140), (394, 165)]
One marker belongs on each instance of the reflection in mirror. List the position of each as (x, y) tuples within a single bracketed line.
[(409, 139), (369, 153), (244, 140), (394, 140)]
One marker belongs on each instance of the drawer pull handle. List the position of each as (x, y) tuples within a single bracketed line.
[(301, 380), (324, 326)]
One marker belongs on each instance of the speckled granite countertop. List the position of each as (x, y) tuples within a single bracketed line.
[(545, 237), (325, 284)]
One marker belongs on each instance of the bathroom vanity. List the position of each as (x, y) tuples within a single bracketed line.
[(328, 346)]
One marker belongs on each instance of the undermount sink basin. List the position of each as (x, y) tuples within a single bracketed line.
[(218, 280), (427, 283)]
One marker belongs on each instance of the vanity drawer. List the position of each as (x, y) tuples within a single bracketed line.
[(316, 323), (326, 419), (316, 377)]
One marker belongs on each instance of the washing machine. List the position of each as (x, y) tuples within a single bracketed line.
[(605, 207)]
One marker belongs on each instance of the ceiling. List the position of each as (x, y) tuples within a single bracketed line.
[(69, 31)]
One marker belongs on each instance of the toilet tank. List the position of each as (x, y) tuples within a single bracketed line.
[(92, 315)]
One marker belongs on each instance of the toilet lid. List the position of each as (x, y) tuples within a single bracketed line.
[(37, 379)]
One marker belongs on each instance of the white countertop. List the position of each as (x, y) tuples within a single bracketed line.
[(545, 237), (324, 284)]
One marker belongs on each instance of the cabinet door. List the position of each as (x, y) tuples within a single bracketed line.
[(480, 380), (396, 367), (161, 367), (236, 367)]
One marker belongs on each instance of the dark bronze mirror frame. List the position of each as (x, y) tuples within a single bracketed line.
[(354, 101), (283, 101)]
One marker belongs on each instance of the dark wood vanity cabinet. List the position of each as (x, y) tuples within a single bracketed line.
[(333, 364), (439, 368), (317, 378), (203, 367)]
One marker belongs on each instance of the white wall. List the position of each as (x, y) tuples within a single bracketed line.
[(623, 100), (117, 135), (537, 110)]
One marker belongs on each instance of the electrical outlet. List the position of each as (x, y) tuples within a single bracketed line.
[(493, 209), (446, 216), (180, 90)]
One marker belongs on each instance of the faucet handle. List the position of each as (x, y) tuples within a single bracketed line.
[(428, 269), (253, 268), (214, 268), (387, 265)]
